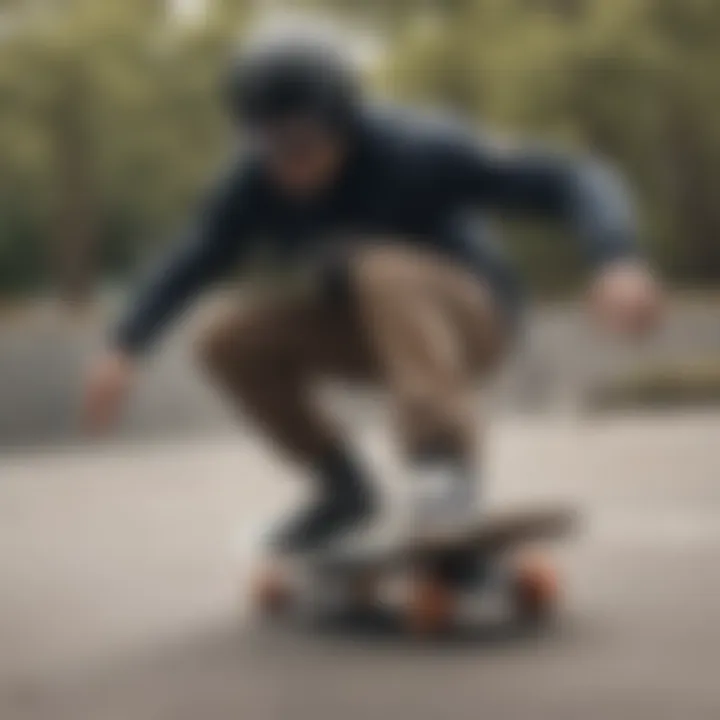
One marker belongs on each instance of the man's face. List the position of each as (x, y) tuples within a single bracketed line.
[(302, 156)]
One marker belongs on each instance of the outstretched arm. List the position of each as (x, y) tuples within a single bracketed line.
[(586, 193), (583, 192), (208, 250)]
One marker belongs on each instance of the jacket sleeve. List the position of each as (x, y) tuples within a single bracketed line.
[(207, 250), (587, 194)]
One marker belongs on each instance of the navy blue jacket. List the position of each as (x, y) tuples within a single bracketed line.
[(408, 176)]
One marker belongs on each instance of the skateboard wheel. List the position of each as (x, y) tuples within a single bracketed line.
[(535, 590), (431, 606), (272, 594)]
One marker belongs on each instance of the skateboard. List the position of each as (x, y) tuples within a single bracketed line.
[(430, 576)]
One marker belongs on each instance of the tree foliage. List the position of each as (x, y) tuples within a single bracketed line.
[(111, 120)]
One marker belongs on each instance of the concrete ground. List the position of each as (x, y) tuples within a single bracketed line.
[(122, 572)]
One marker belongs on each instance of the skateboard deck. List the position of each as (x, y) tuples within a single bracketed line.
[(437, 571), (493, 534)]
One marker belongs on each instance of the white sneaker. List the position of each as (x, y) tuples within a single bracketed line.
[(443, 501)]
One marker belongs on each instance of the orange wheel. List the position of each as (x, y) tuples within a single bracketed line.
[(431, 605), (271, 592), (536, 589)]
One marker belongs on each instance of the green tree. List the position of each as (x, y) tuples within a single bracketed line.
[(112, 121)]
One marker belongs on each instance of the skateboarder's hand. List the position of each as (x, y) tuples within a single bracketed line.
[(626, 298), (108, 383)]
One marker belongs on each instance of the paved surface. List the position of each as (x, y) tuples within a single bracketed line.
[(121, 573)]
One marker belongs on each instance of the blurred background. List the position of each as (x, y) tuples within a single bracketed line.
[(110, 126)]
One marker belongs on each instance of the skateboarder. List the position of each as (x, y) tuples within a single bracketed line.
[(383, 209)]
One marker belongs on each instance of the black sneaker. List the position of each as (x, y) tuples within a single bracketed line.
[(325, 521)]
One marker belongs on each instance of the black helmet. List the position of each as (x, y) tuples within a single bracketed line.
[(293, 75)]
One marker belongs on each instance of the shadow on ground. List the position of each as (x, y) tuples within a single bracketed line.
[(335, 666)]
